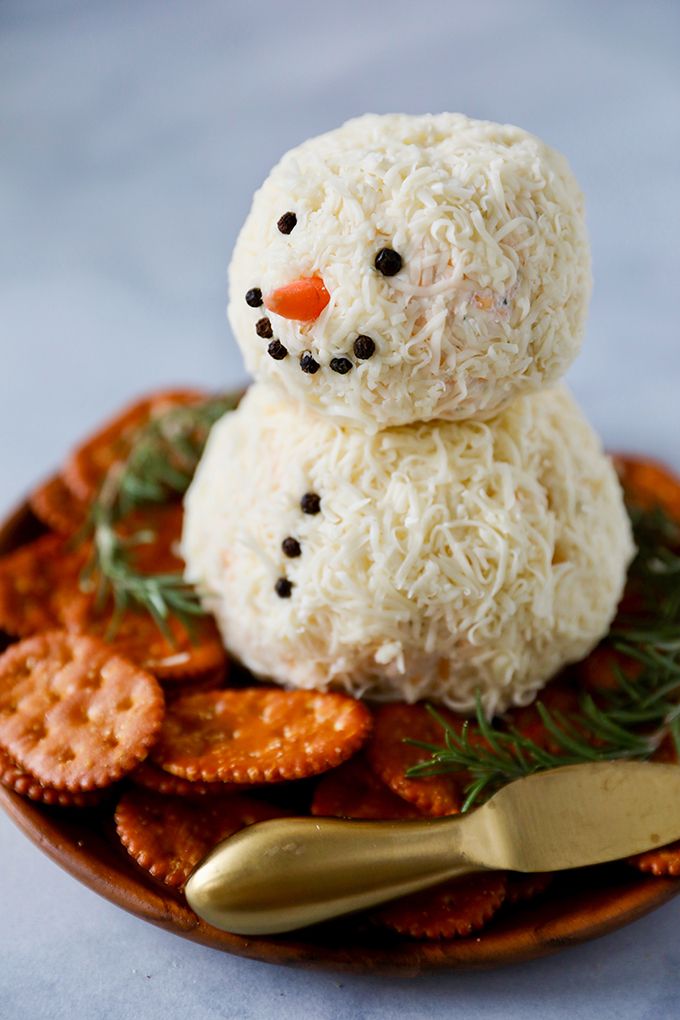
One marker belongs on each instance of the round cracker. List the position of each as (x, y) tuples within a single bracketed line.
[(73, 713), (211, 680), (152, 777), (454, 909), (649, 484), (169, 836), (522, 888), (89, 463), (390, 757), (661, 862), (259, 734), (157, 529), (36, 581), (600, 671), (185, 654), (54, 504), (560, 698), (24, 783), (136, 635), (353, 791), (40, 590)]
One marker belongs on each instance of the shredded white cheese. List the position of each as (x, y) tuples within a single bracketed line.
[(493, 292), (446, 557)]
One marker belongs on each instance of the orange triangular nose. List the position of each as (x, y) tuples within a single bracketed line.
[(303, 299)]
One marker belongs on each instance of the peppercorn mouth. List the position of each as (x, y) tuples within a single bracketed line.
[(303, 296)]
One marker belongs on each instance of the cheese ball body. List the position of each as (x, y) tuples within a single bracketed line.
[(487, 296), (428, 561)]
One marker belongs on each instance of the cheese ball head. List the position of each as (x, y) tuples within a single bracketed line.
[(429, 561), (406, 268)]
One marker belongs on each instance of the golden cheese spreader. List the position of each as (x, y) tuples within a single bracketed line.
[(279, 875)]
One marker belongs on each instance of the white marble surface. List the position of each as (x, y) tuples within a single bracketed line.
[(131, 137)]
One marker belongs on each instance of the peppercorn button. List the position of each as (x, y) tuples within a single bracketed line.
[(263, 328), (283, 588), (291, 547), (388, 262), (287, 222), (277, 351), (254, 297), (310, 503), (364, 347), (341, 365), (309, 364)]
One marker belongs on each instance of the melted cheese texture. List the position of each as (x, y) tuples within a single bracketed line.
[(445, 558), (492, 296)]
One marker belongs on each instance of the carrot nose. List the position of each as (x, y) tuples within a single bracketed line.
[(303, 299)]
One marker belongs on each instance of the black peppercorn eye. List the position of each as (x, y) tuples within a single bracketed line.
[(287, 222), (364, 347), (310, 503), (388, 262), (254, 297)]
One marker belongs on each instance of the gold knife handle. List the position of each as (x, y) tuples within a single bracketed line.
[(288, 873)]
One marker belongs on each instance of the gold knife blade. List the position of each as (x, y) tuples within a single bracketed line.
[(288, 873)]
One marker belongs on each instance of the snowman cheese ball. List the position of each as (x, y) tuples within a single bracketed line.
[(428, 561), (405, 268)]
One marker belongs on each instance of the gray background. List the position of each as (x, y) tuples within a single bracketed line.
[(131, 138)]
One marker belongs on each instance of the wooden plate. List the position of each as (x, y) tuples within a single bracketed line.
[(580, 905)]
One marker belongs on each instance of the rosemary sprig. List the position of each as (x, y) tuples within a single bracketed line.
[(163, 456), (630, 721), (161, 462)]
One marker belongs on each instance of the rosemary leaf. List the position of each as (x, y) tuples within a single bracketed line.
[(161, 462)]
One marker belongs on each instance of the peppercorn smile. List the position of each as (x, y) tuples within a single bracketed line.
[(295, 295)]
